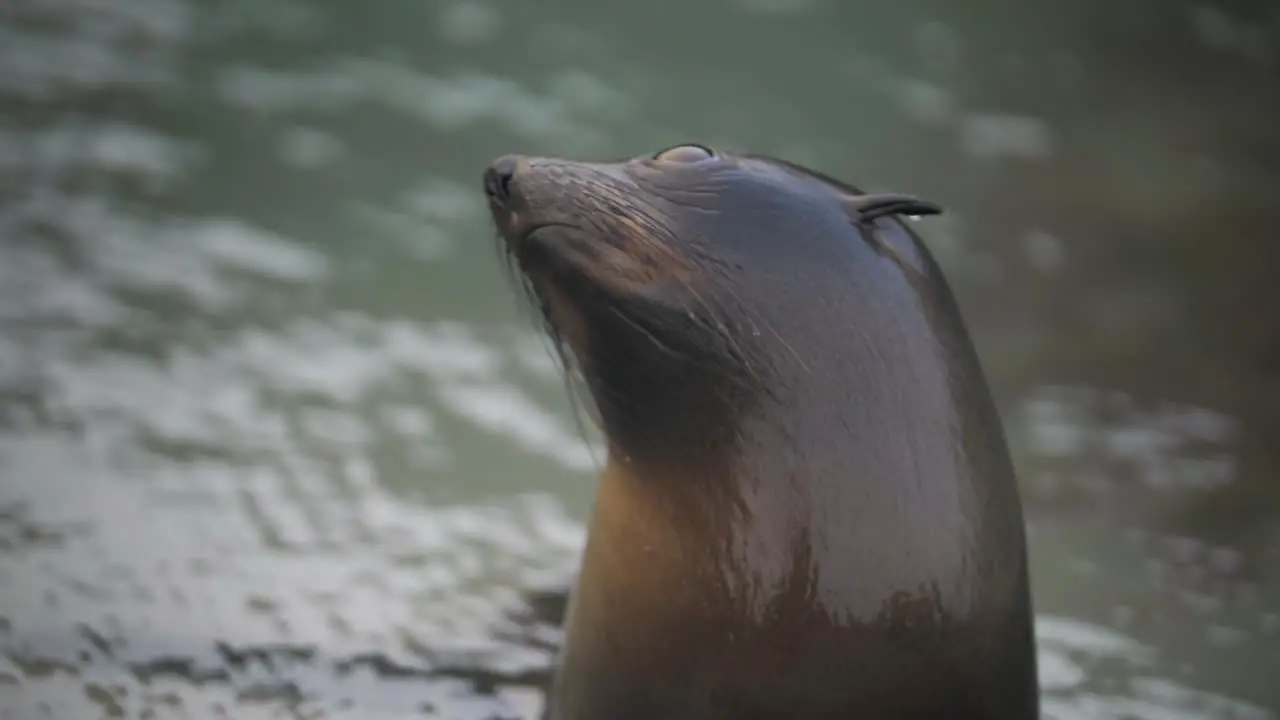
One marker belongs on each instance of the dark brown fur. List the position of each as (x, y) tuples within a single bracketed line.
[(808, 509)]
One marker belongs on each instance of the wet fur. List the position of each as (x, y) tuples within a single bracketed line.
[(709, 585)]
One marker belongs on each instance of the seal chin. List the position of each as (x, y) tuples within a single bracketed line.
[(512, 225), (532, 247)]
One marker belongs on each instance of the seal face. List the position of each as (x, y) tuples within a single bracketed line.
[(808, 508)]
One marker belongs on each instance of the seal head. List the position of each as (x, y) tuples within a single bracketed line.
[(808, 508)]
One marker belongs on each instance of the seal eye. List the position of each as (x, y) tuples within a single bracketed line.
[(688, 153)]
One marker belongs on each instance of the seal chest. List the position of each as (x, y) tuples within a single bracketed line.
[(808, 508)]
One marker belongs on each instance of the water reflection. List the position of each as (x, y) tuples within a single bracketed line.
[(275, 438)]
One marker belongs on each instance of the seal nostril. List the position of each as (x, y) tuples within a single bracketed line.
[(497, 178)]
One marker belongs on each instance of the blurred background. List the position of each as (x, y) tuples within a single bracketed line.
[(277, 439)]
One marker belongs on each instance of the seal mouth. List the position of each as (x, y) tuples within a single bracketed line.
[(531, 251), (533, 265)]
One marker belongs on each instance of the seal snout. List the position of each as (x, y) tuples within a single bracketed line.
[(498, 177), (501, 187)]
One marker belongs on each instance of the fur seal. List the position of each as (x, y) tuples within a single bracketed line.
[(808, 509)]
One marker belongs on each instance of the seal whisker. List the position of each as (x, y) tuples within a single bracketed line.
[(758, 317), (715, 323), (648, 335), (580, 404), (554, 344)]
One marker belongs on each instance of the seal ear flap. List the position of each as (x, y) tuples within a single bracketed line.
[(865, 208)]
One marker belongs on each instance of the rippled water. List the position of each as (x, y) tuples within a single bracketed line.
[(276, 439)]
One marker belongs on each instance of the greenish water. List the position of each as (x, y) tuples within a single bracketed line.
[(277, 440)]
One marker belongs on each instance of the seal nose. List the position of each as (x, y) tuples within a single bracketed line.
[(497, 178)]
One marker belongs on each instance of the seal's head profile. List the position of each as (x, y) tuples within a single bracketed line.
[(808, 508)]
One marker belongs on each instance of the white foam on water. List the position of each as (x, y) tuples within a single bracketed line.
[(424, 220), (120, 694), (36, 286), (310, 148), (1158, 443), (154, 21), (446, 201), (1045, 251), (1067, 646), (285, 20), (460, 101), (236, 244), (506, 410), (998, 136), (564, 110), (252, 555), (423, 239), (778, 7), (1249, 39), (196, 258), (214, 398), (468, 21), (409, 421), (1086, 638), (587, 93), (90, 45), (925, 102), (273, 91), (1187, 704), (110, 146)]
